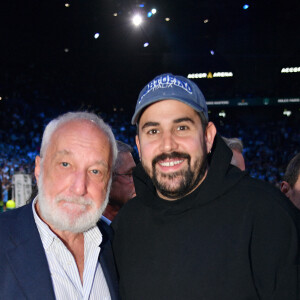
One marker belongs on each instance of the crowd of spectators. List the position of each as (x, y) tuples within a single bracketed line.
[(268, 145)]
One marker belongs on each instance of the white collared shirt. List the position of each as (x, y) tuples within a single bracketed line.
[(64, 272)]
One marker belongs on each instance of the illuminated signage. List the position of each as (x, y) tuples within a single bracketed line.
[(210, 75)]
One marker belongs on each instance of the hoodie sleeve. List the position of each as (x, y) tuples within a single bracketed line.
[(274, 248)]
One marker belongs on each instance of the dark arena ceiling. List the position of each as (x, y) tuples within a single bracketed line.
[(49, 48)]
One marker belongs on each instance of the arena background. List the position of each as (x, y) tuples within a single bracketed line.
[(58, 56)]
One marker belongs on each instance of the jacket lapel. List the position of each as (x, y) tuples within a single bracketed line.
[(27, 258), (107, 261)]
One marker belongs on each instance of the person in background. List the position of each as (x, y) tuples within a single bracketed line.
[(290, 185), (122, 188), (198, 228), (236, 146), (54, 247)]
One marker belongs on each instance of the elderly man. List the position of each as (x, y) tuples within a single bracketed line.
[(122, 188), (199, 228), (54, 248)]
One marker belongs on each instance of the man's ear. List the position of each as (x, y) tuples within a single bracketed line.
[(210, 134), (37, 168), (285, 188), (137, 141)]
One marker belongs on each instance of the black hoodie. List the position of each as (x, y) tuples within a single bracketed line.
[(231, 238)]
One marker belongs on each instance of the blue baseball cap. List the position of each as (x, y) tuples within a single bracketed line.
[(169, 86)]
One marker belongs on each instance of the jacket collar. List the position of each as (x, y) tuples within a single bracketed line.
[(27, 258)]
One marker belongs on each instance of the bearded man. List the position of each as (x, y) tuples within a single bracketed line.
[(55, 248), (199, 228)]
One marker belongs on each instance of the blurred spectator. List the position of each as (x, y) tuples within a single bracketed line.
[(290, 185), (122, 188), (236, 146)]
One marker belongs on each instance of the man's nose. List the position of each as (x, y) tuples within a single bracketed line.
[(79, 183), (168, 142)]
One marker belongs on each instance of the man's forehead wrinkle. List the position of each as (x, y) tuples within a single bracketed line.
[(70, 153)]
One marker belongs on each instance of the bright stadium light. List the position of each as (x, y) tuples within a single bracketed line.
[(96, 35), (290, 70), (222, 114), (146, 45), (287, 112), (154, 11), (137, 20)]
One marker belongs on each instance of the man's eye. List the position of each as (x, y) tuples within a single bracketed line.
[(95, 172), (153, 131), (65, 164), (182, 127)]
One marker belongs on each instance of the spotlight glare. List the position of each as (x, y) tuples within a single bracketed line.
[(149, 14), (212, 52), (137, 20), (66, 50), (167, 19), (67, 4), (206, 21), (222, 114), (154, 11), (141, 5), (287, 112), (246, 6), (115, 14), (146, 45), (96, 35)]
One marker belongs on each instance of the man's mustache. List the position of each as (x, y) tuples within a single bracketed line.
[(164, 156), (74, 199)]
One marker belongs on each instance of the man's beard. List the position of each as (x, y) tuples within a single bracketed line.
[(189, 178), (61, 219)]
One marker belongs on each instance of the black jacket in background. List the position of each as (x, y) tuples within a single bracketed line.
[(232, 238)]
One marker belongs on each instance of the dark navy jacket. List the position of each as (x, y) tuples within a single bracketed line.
[(24, 271)]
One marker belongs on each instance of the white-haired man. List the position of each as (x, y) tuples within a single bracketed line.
[(53, 248)]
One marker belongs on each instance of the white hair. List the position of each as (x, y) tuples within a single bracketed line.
[(74, 116)]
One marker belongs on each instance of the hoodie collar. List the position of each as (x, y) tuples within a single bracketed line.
[(221, 176)]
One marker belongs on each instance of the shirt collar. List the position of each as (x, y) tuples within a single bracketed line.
[(47, 236)]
